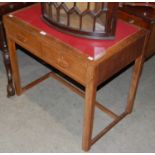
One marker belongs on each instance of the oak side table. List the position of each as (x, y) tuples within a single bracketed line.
[(89, 62)]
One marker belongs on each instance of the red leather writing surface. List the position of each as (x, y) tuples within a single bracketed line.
[(93, 48)]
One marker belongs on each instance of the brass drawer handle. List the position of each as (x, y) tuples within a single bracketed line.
[(131, 21), (11, 6), (63, 63), (21, 38)]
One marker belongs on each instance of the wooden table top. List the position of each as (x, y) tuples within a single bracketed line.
[(92, 48)]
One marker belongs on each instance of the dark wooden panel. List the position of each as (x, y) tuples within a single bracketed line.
[(144, 17)]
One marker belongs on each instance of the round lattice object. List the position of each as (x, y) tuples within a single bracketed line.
[(93, 20)]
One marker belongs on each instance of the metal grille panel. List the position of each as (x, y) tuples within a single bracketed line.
[(86, 19)]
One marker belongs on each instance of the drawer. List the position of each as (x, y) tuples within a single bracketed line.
[(65, 60), (132, 19), (26, 38)]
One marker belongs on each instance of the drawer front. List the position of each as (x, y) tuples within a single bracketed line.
[(59, 55), (132, 19), (12, 6), (26, 38), (62, 59)]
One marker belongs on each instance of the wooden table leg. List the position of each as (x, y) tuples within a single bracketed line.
[(89, 109), (134, 84), (135, 77), (14, 65), (6, 60)]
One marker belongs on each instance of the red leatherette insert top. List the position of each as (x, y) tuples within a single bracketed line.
[(92, 48)]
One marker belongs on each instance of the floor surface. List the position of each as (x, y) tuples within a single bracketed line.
[(48, 117)]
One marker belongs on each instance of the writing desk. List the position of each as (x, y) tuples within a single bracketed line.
[(89, 62)]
